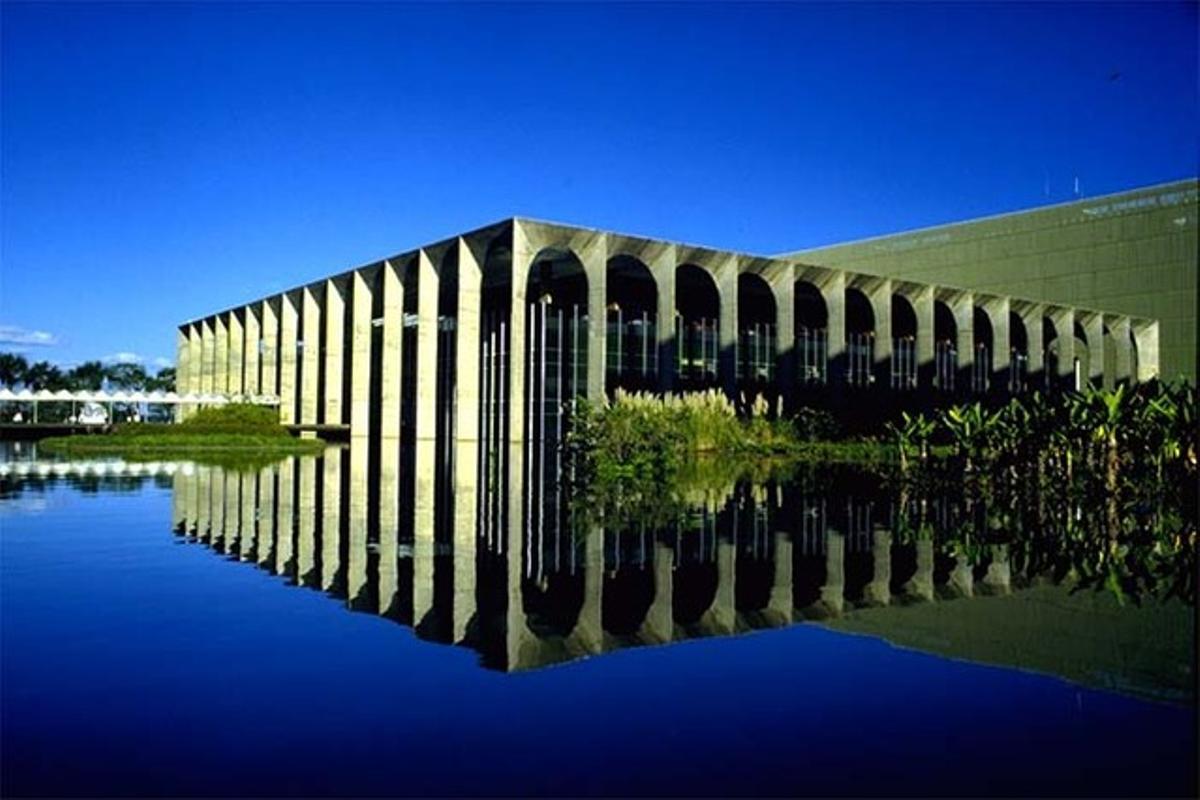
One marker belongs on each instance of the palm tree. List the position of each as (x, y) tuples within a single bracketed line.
[(44, 375), (13, 369)]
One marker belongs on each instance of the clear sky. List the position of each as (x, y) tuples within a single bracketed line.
[(163, 161)]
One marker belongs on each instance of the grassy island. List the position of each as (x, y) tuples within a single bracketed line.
[(230, 433)]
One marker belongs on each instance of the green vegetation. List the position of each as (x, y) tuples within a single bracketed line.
[(232, 435)]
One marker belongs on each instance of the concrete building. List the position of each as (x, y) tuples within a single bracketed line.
[(1133, 252), (485, 336)]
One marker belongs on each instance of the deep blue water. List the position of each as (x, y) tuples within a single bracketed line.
[(134, 660)]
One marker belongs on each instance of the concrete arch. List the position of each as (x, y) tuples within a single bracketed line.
[(697, 320), (984, 352), (1019, 362), (757, 315), (860, 338), (631, 306)]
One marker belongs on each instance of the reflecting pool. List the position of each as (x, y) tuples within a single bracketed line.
[(178, 628)]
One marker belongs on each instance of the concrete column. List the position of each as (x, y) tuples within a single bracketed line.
[(390, 391), (208, 344), (233, 486), (833, 590), (360, 354), (467, 367), (1036, 366), (194, 376), (587, 638), (663, 269), (1123, 363), (247, 534), (289, 323), (659, 625), (998, 310), (388, 573), (306, 523), (464, 544), (425, 432), (998, 578), (203, 512), (780, 603), (310, 375), (881, 306), (191, 497), (1093, 329), (183, 354), (356, 533), (878, 592), (727, 335), (331, 518), (285, 521), (335, 367), (266, 516), (179, 481), (1145, 338), (722, 617), (962, 577), (270, 346), (221, 355), (595, 265), (252, 382), (833, 292), (522, 260), (921, 584), (962, 305), (1064, 337), (922, 303), (783, 289), (216, 512), (237, 353)]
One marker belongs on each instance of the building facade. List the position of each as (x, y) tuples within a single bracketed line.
[(1133, 252)]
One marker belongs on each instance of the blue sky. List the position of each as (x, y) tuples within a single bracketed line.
[(162, 161)]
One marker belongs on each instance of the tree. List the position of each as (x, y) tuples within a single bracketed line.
[(88, 376), (13, 369), (44, 375), (162, 381), (127, 376)]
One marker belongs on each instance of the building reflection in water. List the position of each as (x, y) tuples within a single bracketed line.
[(544, 588)]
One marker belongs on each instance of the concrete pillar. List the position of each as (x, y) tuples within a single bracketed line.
[(1036, 366), (722, 617), (595, 265), (335, 367), (663, 267), (1145, 338), (962, 577), (659, 625), (998, 578), (289, 323), (233, 488), (191, 497), (266, 516), (921, 584), (881, 306), (360, 354), (833, 590), (331, 518), (998, 309), (780, 603), (203, 511), (587, 638), (216, 511), (183, 355), (1093, 329), (727, 334), (879, 592), (285, 521), (425, 432), (833, 292), (247, 533), (237, 353), (194, 376), (783, 289), (922, 303), (252, 381), (269, 384), (310, 374), (179, 481), (1064, 342), (464, 542), (522, 260), (390, 392), (306, 523), (208, 344), (389, 482), (1123, 362), (221, 354), (962, 305)]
